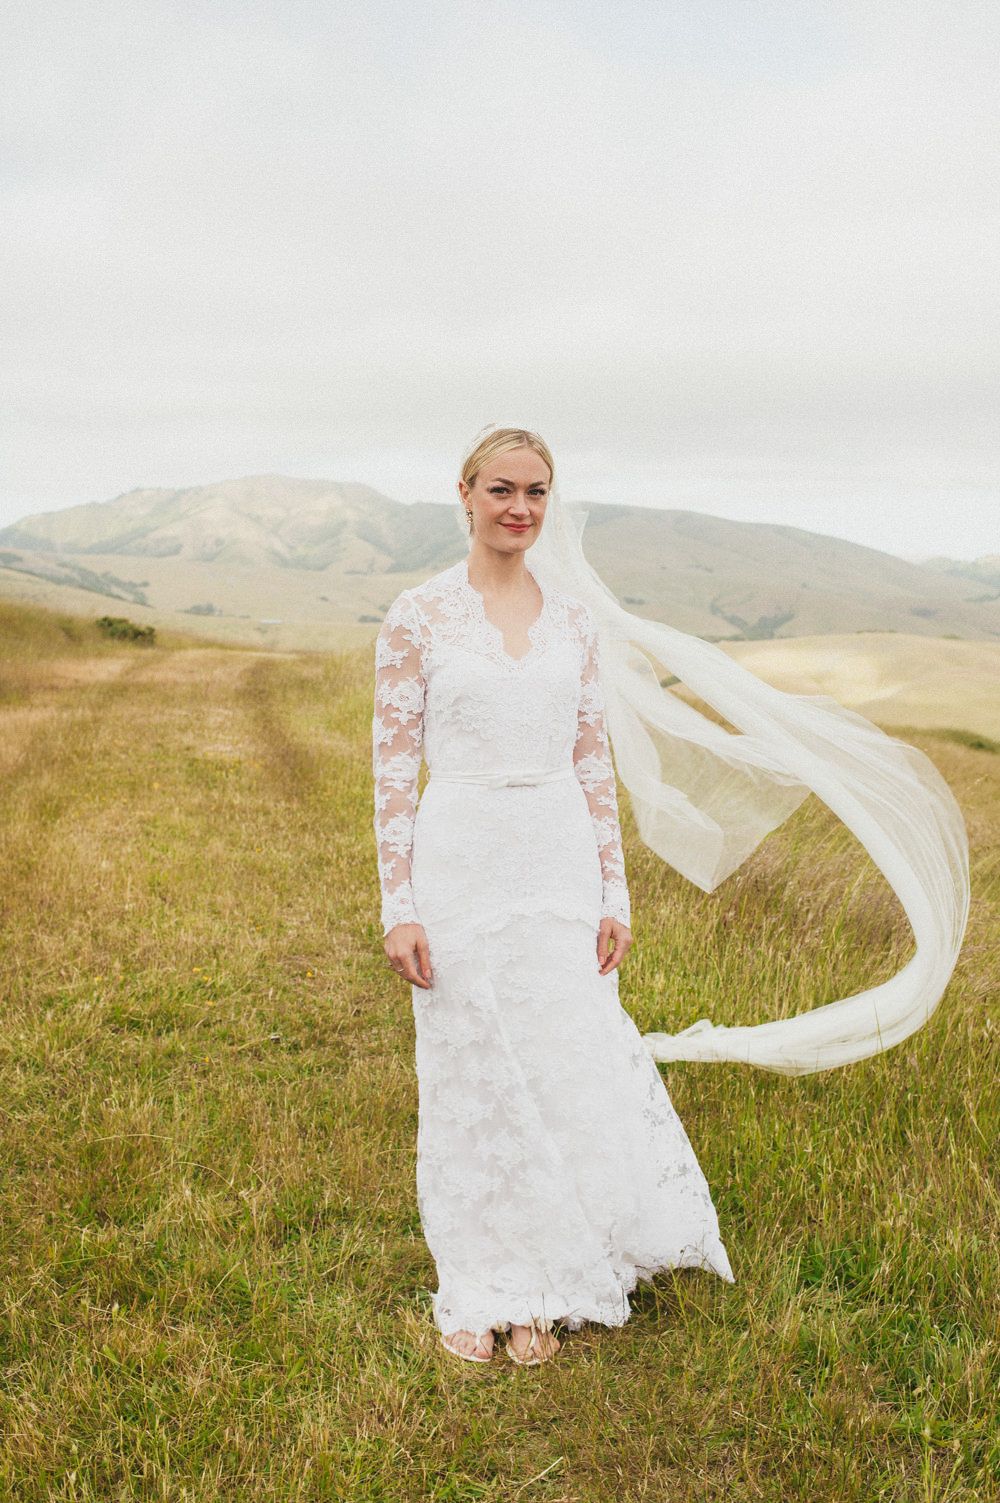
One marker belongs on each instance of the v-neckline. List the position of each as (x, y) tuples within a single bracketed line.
[(497, 631)]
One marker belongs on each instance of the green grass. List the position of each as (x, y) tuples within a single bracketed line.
[(214, 1281)]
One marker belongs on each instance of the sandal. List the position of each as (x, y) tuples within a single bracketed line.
[(531, 1357), (466, 1356)]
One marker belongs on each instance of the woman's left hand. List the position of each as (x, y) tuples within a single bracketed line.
[(614, 941)]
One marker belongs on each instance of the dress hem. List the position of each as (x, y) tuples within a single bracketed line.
[(565, 1309)]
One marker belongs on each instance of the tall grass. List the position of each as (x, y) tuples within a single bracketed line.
[(215, 1285)]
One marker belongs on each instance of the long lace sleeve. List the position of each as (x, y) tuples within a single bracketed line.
[(397, 738), (596, 775)]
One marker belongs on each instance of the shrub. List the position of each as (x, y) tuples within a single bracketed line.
[(124, 630)]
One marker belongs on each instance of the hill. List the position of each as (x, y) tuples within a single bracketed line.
[(896, 680), (300, 560), (261, 521), (982, 571), (755, 580)]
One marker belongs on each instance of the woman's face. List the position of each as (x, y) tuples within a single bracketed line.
[(508, 499)]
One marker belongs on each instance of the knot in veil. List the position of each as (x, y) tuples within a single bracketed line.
[(704, 798)]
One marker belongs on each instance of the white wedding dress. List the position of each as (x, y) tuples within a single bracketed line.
[(552, 1170)]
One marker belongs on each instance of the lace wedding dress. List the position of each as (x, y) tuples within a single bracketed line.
[(552, 1170)]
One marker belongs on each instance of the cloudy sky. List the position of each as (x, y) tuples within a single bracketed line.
[(739, 256)]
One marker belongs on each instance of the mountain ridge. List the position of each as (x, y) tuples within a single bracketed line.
[(340, 550)]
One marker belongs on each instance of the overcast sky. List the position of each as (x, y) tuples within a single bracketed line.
[(739, 256)]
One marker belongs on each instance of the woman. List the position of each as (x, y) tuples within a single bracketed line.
[(552, 1170)]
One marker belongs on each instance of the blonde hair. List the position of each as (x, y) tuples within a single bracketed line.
[(495, 441)]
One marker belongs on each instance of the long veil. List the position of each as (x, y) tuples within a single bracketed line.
[(704, 799)]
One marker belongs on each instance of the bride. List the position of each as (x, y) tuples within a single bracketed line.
[(552, 1170)]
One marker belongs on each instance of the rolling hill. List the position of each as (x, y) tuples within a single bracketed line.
[(895, 680), (301, 562)]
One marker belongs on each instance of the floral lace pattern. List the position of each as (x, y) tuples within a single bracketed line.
[(552, 1170), (430, 638)]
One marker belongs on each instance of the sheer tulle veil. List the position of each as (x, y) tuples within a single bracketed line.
[(704, 798)]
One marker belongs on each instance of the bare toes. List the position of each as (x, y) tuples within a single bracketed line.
[(471, 1345)]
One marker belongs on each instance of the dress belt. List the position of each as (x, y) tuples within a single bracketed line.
[(494, 780)]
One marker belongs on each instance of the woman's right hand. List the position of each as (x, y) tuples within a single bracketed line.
[(409, 957)]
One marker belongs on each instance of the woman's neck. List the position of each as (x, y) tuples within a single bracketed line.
[(493, 573)]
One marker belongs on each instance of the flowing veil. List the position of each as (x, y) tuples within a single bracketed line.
[(704, 799)]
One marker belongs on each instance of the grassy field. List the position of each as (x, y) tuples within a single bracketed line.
[(214, 1281)]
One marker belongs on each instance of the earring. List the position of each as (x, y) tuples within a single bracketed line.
[(469, 514)]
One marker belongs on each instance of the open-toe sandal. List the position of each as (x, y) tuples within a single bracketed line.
[(531, 1357), (466, 1356)]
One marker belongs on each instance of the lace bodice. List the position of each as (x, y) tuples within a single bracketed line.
[(447, 690)]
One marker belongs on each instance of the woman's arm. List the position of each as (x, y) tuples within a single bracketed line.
[(397, 738), (596, 775)]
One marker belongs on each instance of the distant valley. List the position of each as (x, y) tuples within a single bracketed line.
[(312, 563)]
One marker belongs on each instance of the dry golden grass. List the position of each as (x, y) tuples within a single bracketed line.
[(891, 677), (215, 1285), (297, 618)]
